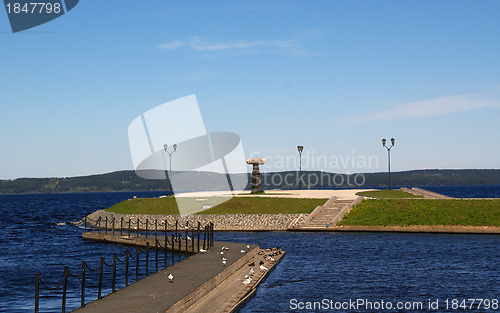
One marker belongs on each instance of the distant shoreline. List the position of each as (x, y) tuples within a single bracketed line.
[(128, 181)]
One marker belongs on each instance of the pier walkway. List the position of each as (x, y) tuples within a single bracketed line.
[(198, 280)]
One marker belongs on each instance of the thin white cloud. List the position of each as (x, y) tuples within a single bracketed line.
[(439, 106), (292, 46), (171, 45)]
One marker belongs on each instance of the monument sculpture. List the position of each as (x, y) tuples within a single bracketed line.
[(256, 186)]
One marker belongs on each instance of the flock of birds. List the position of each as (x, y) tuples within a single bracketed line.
[(268, 255)]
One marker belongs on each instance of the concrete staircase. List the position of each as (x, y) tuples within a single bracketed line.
[(328, 215)]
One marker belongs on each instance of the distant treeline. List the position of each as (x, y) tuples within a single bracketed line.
[(129, 181)]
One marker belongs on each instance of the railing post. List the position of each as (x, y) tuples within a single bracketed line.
[(187, 234), (166, 228), (147, 222), (85, 224), (113, 226), (106, 225), (204, 237), (138, 226), (166, 247), (179, 247), (82, 298), (136, 264), (129, 228), (65, 287), (99, 222), (192, 241), (156, 229), (147, 259), (156, 261), (121, 226), (198, 238), (173, 250), (37, 292), (113, 284), (212, 234), (127, 254), (101, 266), (176, 223)]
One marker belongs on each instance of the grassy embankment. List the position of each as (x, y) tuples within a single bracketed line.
[(387, 194), (408, 212), (237, 205)]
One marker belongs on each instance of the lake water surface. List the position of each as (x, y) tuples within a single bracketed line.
[(331, 269)]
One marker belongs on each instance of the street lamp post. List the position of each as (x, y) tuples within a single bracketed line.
[(300, 149), (165, 147), (389, 157)]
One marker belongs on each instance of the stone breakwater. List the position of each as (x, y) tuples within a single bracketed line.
[(222, 222)]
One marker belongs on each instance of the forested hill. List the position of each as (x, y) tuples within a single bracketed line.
[(129, 181)]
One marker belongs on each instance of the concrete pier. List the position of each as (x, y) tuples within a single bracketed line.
[(198, 280)]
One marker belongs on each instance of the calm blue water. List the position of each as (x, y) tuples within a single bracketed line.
[(492, 191), (332, 266)]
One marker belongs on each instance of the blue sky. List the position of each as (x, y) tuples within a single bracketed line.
[(333, 76)]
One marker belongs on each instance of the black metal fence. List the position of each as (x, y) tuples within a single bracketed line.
[(172, 239)]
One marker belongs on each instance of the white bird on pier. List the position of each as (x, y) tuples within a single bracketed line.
[(223, 259), (203, 250), (221, 253), (263, 268), (251, 271), (225, 248), (248, 247), (247, 281), (171, 278), (224, 263), (242, 251), (189, 238)]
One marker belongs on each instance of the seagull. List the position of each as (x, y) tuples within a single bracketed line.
[(171, 278), (248, 246), (223, 259), (263, 268), (203, 250), (188, 238), (251, 271), (246, 276), (242, 251), (251, 264), (225, 248), (224, 263), (271, 259), (221, 253), (247, 281)]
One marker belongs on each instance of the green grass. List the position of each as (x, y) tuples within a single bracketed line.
[(161, 206), (237, 205), (387, 194), (406, 212)]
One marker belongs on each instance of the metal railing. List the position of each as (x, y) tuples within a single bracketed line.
[(174, 244)]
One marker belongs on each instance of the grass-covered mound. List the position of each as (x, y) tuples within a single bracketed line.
[(160, 206), (406, 212), (237, 205), (387, 194)]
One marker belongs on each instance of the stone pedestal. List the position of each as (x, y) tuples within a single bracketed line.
[(256, 186)]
